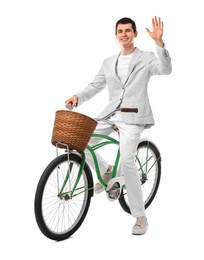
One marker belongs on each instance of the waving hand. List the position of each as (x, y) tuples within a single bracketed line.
[(157, 31)]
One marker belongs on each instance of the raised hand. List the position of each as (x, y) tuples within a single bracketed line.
[(157, 31)]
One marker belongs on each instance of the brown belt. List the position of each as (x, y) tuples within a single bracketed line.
[(135, 110)]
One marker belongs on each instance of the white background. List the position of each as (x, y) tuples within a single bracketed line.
[(51, 49)]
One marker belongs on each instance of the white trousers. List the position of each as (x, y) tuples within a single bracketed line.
[(129, 139)]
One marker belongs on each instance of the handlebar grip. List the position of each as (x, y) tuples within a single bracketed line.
[(70, 106)]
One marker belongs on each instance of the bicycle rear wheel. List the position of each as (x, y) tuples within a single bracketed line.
[(148, 161), (62, 197)]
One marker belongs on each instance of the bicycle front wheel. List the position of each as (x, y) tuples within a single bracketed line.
[(63, 197), (148, 161)]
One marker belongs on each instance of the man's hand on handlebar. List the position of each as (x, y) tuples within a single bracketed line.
[(71, 102)]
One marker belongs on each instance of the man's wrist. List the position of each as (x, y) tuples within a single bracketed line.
[(160, 43)]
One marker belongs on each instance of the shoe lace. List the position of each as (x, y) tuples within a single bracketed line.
[(139, 222)]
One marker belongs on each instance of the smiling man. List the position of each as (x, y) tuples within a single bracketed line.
[(126, 75)]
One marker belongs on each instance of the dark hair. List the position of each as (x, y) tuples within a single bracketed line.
[(126, 20)]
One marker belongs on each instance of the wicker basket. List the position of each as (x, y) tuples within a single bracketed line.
[(73, 129)]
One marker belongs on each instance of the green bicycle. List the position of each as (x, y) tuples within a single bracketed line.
[(65, 189)]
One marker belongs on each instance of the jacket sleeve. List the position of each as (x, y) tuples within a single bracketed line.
[(96, 86), (162, 64)]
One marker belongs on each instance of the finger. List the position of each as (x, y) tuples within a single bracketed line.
[(67, 103), (153, 22), (73, 104), (156, 22), (159, 22), (147, 30), (162, 25)]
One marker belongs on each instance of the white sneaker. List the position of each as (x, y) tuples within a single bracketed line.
[(140, 226), (98, 188)]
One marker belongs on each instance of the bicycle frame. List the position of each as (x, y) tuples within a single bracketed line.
[(106, 140), (110, 140)]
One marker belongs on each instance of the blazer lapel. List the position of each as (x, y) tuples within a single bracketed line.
[(115, 60), (136, 55)]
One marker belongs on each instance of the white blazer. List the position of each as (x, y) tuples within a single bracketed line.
[(133, 93)]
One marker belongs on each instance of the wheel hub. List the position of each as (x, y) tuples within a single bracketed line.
[(64, 196)]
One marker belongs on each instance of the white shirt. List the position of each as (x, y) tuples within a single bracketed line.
[(122, 66)]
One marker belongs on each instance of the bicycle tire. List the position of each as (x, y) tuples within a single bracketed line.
[(58, 217), (123, 201)]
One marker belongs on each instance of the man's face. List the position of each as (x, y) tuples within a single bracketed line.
[(125, 34)]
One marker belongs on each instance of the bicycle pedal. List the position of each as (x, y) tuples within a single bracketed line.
[(114, 187), (114, 193)]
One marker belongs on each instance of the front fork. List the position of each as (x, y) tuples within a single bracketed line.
[(67, 181)]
